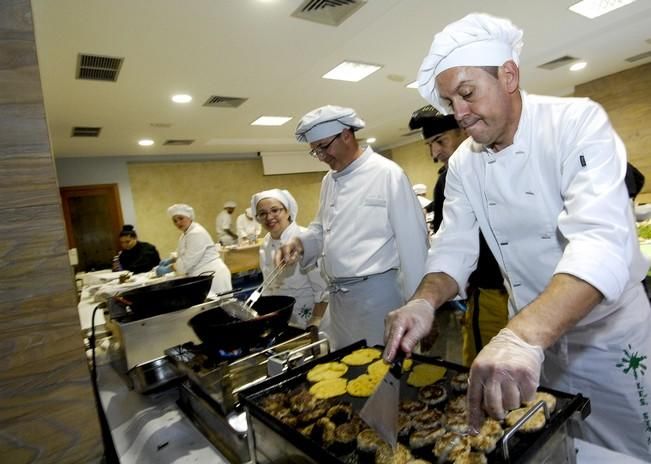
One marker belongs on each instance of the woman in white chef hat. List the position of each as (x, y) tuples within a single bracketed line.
[(196, 252), (276, 210)]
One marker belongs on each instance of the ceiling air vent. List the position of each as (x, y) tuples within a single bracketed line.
[(329, 12), (178, 142), (80, 131), (558, 62), (98, 68), (224, 102), (641, 56)]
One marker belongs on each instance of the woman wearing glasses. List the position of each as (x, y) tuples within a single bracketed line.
[(276, 210)]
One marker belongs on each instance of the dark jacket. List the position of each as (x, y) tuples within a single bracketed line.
[(141, 258)]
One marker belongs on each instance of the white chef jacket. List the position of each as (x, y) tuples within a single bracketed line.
[(307, 285), (423, 201), (246, 227), (369, 221), (222, 223), (555, 202), (196, 253)]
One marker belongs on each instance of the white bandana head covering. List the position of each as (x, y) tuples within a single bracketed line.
[(230, 204), (475, 40), (326, 121), (282, 196), (181, 209), (420, 189)]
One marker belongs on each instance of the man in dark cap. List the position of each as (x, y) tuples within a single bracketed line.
[(487, 300)]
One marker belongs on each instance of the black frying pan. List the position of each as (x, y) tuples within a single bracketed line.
[(170, 295), (219, 331)]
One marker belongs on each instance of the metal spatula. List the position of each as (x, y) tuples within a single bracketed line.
[(381, 410), (245, 311)]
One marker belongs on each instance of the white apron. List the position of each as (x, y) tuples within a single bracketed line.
[(358, 306), (620, 417)]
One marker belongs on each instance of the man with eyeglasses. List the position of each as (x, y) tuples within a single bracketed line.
[(369, 229)]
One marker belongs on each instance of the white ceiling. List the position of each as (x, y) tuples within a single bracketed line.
[(255, 49)]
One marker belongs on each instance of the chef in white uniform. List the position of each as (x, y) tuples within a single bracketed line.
[(369, 229), (223, 224), (196, 251), (247, 227), (543, 179), (277, 210)]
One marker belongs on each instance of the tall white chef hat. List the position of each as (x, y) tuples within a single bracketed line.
[(181, 209), (420, 189), (477, 39), (230, 204), (282, 196), (326, 121)]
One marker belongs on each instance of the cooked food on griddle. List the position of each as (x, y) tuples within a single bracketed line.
[(412, 407), (533, 424), (433, 394), (313, 414), (378, 368), (426, 438), (368, 441), (363, 385), (486, 440), (361, 356), (301, 401), (425, 374), (329, 370), (387, 455), (471, 457), (274, 402), (457, 405), (459, 382), (451, 446), (457, 423), (346, 437), (427, 419), (418, 461), (340, 413), (321, 432), (329, 388), (405, 425), (548, 398)]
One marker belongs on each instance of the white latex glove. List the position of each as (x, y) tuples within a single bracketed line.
[(292, 252), (405, 326), (505, 374)]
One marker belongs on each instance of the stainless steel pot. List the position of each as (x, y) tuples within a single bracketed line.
[(153, 374)]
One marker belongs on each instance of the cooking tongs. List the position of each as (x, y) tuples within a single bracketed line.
[(245, 311)]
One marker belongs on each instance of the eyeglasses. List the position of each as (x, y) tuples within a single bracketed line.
[(318, 152), (262, 215)]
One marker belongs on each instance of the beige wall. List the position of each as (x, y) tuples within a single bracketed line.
[(206, 186), (626, 96), (418, 165)]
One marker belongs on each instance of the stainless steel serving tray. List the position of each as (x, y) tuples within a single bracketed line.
[(270, 439)]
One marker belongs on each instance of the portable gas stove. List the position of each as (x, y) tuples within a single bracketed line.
[(209, 396)]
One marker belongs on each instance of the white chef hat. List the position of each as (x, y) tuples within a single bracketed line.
[(181, 209), (249, 212), (282, 196), (326, 121), (420, 189), (477, 39), (230, 204)]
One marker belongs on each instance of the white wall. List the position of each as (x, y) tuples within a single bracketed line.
[(88, 171)]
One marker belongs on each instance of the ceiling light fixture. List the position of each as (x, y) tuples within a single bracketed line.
[(145, 142), (578, 66), (271, 120), (594, 8), (351, 71), (371, 140), (181, 98), (412, 85)]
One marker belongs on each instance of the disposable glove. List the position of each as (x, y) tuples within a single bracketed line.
[(166, 262), (163, 269), (505, 374), (405, 326)]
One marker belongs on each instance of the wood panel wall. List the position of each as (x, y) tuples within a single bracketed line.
[(47, 410), (626, 96)]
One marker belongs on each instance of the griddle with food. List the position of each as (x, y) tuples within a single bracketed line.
[(293, 422)]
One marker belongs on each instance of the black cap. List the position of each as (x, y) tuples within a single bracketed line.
[(431, 121)]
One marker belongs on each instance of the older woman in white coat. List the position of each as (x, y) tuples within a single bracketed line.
[(276, 210), (196, 251)]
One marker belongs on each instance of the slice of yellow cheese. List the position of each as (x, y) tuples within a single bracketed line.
[(364, 385), (329, 388), (425, 374), (361, 356), (325, 371)]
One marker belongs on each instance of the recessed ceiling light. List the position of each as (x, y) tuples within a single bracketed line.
[(578, 66), (181, 98), (371, 140), (271, 120), (145, 142), (351, 71), (412, 85), (594, 8)]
